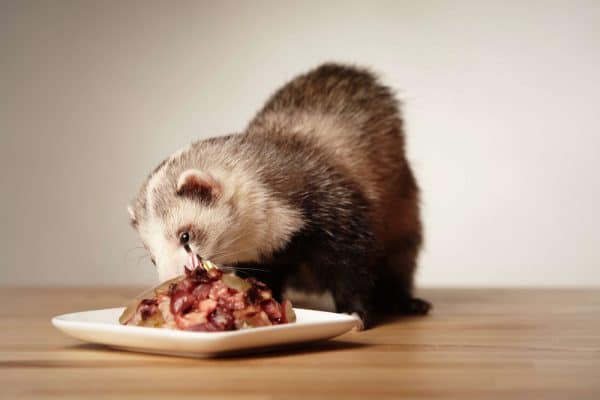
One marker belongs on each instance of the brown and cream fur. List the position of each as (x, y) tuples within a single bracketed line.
[(315, 194)]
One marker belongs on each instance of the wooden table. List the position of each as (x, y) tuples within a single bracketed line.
[(492, 343)]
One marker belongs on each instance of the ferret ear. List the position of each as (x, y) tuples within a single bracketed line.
[(200, 184)]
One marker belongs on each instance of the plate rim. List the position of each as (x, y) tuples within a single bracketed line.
[(60, 321)]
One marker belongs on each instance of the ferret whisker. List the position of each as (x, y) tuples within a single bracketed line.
[(134, 249), (232, 254), (131, 250), (227, 252), (250, 269), (140, 258), (235, 268)]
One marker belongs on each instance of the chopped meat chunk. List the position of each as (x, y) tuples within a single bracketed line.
[(209, 300)]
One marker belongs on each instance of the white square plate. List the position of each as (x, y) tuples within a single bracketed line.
[(102, 326)]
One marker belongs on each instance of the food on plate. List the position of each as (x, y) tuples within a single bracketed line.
[(208, 299)]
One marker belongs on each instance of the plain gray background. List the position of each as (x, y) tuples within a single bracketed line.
[(500, 100)]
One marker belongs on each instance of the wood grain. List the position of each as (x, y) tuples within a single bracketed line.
[(492, 344)]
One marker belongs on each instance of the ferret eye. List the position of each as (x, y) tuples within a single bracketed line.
[(184, 238)]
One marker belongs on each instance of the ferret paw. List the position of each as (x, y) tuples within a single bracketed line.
[(416, 306), (360, 325), (358, 310)]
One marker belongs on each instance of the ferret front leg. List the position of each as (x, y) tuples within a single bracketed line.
[(351, 286)]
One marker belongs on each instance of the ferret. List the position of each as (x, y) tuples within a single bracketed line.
[(315, 195)]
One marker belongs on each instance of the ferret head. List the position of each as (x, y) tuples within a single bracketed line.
[(222, 214)]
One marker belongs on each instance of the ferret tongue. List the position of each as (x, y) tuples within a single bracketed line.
[(193, 261)]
